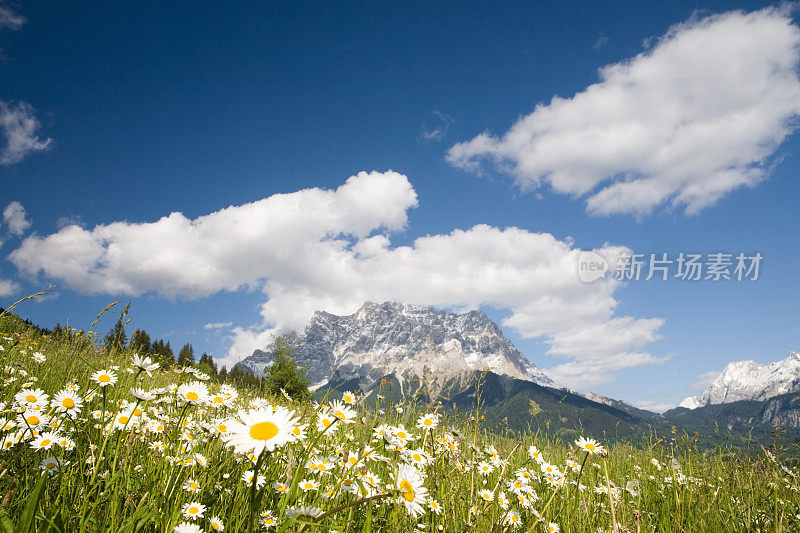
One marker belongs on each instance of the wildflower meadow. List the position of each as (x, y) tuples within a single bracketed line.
[(108, 440)]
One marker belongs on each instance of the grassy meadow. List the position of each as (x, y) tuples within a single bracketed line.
[(95, 440)]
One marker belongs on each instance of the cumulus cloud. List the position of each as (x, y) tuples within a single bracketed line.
[(331, 249), (695, 116), (280, 237), (15, 218), (10, 19), (20, 128)]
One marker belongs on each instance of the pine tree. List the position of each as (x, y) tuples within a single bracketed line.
[(207, 364), (140, 342), (285, 374), (116, 337), (163, 353), (186, 355)]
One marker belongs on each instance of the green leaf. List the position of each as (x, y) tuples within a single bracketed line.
[(6, 525), (29, 513)]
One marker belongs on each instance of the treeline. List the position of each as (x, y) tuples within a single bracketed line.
[(161, 351)]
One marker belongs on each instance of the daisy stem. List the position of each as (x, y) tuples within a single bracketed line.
[(251, 519), (119, 438), (580, 473), (103, 413)]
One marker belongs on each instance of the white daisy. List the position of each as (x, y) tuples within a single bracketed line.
[(68, 402), (144, 364), (413, 494), (193, 510), (104, 378), (261, 429), (193, 393)]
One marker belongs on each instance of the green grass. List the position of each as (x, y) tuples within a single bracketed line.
[(112, 480)]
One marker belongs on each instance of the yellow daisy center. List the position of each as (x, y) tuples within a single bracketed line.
[(46, 442), (33, 420), (193, 510), (123, 420), (30, 398), (407, 490), (104, 378), (192, 395), (589, 446), (218, 399), (69, 403), (263, 431), (428, 422), (339, 414)]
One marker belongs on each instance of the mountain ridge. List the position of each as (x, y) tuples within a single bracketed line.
[(748, 380), (409, 341)]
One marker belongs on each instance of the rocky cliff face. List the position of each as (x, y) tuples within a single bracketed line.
[(748, 380), (411, 342)]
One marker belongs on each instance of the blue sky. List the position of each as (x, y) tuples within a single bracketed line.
[(126, 114)]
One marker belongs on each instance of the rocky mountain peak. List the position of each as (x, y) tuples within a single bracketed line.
[(406, 340), (748, 380)]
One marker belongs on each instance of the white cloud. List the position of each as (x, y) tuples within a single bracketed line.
[(322, 249), (681, 124), (280, 236), (20, 127), (7, 287), (10, 19), (15, 218), (218, 325)]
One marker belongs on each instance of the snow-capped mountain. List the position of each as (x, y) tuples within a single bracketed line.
[(748, 380), (405, 340)]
